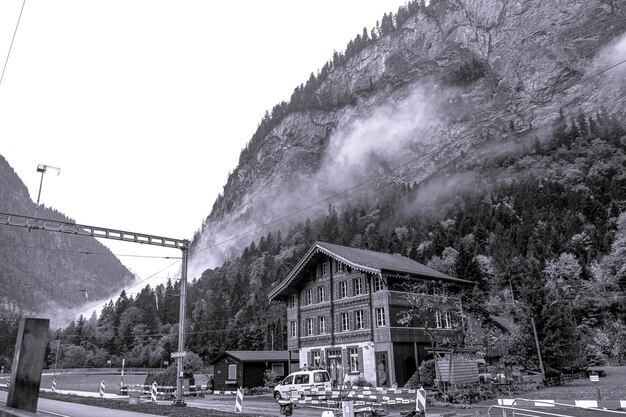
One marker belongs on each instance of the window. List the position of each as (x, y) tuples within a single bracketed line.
[(358, 320), (232, 371), (321, 294), (321, 377), (325, 268), (343, 289), (316, 359), (447, 320), (294, 329), (339, 267), (308, 296), (309, 327), (334, 354), (293, 301), (278, 369), (378, 283), (301, 379), (438, 322), (380, 317), (345, 322), (357, 284), (353, 357), (322, 324)]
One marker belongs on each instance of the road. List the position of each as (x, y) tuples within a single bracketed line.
[(52, 408)]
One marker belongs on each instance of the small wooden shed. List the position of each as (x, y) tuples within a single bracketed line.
[(246, 368)]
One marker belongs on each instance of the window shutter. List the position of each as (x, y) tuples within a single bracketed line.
[(309, 358), (345, 360), (361, 359)]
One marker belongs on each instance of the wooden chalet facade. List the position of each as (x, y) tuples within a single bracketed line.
[(343, 308), (246, 368)]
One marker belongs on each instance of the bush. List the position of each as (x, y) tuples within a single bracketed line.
[(414, 382), (361, 382), (469, 394), (427, 373), (258, 391), (270, 378)]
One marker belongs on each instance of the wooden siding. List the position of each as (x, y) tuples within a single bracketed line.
[(464, 371)]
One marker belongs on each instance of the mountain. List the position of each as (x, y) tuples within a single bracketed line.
[(427, 95), (484, 139), (43, 272)]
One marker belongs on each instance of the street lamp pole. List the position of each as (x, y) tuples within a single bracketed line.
[(43, 169)]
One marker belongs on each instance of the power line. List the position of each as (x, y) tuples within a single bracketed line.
[(124, 289), (12, 40)]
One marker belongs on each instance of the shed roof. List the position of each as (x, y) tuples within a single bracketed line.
[(365, 261), (258, 355)]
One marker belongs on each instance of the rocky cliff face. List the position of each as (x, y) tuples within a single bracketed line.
[(457, 82)]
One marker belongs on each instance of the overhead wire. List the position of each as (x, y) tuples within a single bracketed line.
[(127, 288), (6, 61)]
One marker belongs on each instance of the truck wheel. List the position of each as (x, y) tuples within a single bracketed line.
[(277, 396)]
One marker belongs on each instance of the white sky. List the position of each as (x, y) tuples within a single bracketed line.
[(145, 105)]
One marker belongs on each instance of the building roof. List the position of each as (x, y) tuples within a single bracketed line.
[(365, 261), (258, 355)]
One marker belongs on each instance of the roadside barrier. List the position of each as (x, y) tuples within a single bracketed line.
[(420, 406), (54, 384), (360, 396), (608, 404), (239, 401), (102, 387), (153, 392)]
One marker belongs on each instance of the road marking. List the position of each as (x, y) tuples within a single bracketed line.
[(53, 413)]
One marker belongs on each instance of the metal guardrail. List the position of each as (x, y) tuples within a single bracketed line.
[(517, 410)]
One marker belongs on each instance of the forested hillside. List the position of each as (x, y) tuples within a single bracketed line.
[(541, 230), (44, 273)]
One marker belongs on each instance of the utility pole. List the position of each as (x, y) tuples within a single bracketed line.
[(543, 372), (180, 357)]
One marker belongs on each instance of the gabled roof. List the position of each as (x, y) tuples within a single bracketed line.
[(365, 261), (258, 355)]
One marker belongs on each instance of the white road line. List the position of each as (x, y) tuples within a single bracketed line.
[(51, 412)]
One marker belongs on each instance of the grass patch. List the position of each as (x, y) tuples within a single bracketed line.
[(611, 387), (149, 408)]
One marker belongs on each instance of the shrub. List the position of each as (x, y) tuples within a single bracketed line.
[(414, 382), (468, 72), (257, 391), (469, 394), (361, 382), (427, 373), (270, 378)]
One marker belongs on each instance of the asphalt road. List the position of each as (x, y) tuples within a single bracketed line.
[(52, 408)]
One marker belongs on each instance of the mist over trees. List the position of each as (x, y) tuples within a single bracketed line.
[(541, 230)]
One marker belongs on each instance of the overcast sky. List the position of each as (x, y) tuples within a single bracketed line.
[(145, 105)]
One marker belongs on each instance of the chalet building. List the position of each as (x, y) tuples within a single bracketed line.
[(343, 308)]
